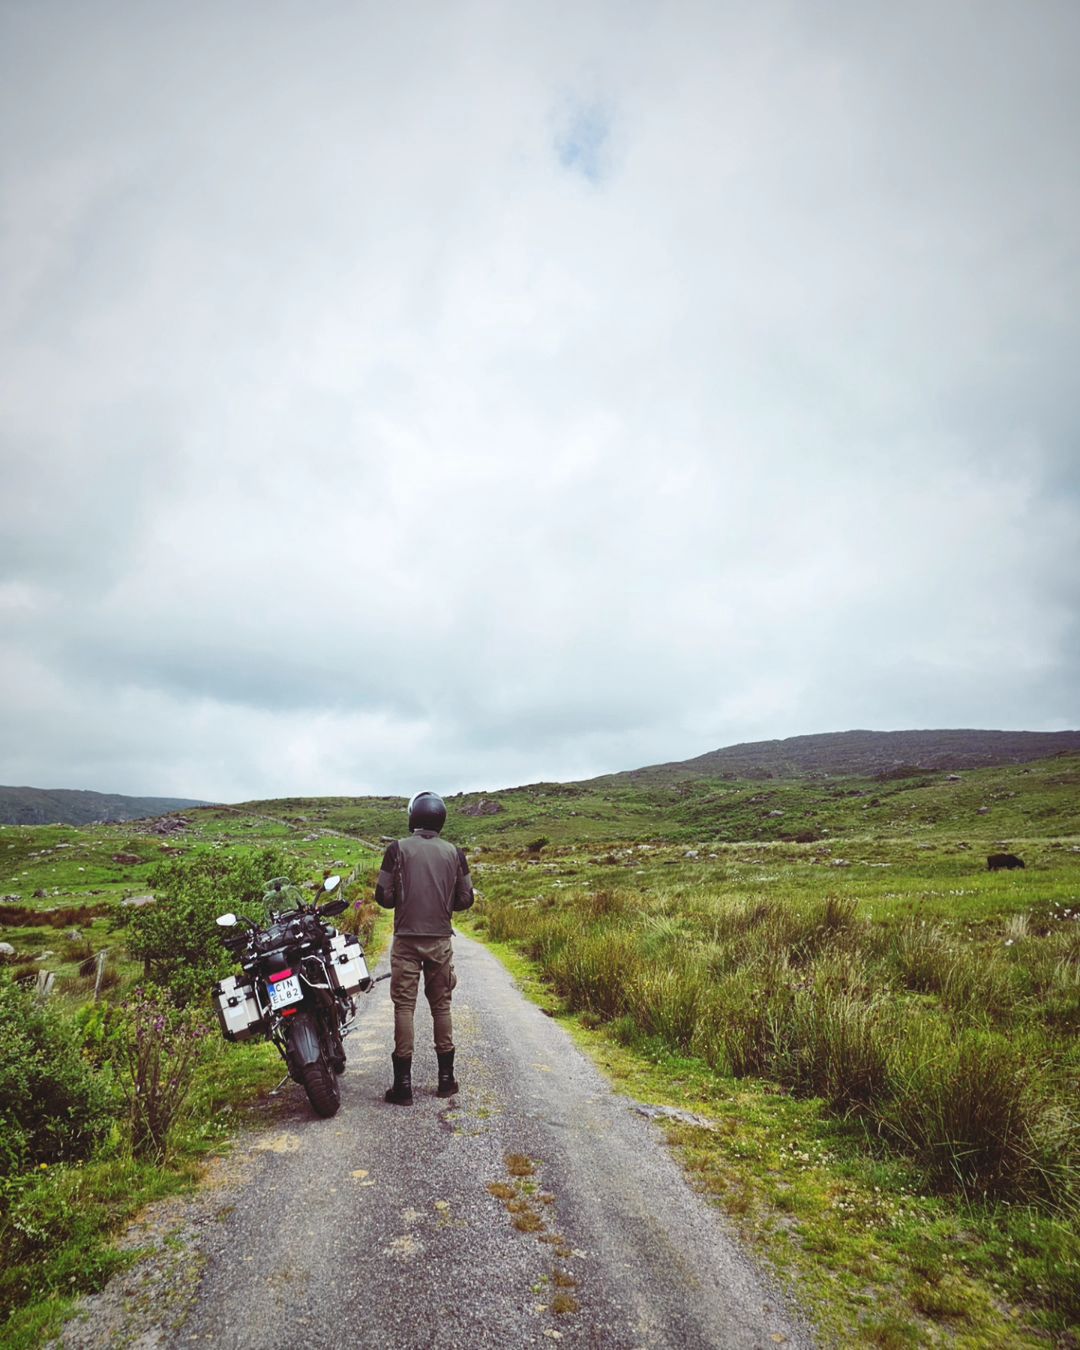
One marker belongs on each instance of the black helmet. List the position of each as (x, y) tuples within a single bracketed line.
[(427, 811)]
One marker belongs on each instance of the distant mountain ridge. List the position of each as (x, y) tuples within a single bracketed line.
[(67, 806), (860, 753)]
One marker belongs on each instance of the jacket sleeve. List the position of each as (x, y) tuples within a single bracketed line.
[(385, 888), (463, 890)]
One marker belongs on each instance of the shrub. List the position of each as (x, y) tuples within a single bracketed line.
[(177, 938), (53, 1105), (100, 1027), (360, 917), (161, 1050)]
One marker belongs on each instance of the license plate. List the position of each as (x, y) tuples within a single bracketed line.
[(285, 991)]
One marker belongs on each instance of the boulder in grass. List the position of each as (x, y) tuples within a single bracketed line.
[(484, 807)]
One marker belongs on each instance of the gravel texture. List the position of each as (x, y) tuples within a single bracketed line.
[(535, 1207)]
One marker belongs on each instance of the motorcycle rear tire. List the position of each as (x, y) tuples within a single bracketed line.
[(322, 1088)]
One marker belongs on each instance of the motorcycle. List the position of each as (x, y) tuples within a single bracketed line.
[(298, 987)]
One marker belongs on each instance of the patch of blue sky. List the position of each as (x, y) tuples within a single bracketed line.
[(582, 142)]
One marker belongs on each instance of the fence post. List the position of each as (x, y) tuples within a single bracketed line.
[(100, 971)]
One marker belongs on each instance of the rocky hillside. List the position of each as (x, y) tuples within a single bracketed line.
[(65, 806), (868, 754)]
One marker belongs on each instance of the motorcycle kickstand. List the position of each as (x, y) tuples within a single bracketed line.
[(275, 1090)]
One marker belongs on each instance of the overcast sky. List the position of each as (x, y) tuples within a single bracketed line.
[(457, 395)]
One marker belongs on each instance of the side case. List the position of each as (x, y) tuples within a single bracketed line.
[(348, 969), (238, 1012)]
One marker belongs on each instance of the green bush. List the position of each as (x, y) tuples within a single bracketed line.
[(161, 1051), (360, 917), (54, 1105), (177, 939), (100, 1027)]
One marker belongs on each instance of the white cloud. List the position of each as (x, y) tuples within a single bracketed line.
[(533, 393)]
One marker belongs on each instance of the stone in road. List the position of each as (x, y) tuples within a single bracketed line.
[(536, 1207)]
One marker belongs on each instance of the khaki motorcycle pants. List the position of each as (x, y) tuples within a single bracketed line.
[(435, 957)]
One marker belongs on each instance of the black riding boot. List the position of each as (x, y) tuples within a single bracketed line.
[(447, 1082), (401, 1092)]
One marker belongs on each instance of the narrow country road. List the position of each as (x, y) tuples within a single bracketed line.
[(395, 1227)]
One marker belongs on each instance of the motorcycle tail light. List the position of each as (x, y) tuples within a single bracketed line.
[(281, 975)]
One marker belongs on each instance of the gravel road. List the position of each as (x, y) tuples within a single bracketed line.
[(535, 1207)]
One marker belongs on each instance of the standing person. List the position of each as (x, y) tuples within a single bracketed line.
[(423, 879)]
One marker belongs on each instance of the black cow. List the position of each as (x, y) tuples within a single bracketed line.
[(998, 860)]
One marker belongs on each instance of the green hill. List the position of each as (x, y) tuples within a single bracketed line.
[(65, 806), (868, 753), (984, 806)]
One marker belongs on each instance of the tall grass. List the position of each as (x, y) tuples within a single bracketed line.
[(967, 1106), (935, 1040)]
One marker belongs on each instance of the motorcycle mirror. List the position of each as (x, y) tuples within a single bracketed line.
[(331, 884), (334, 907), (226, 920)]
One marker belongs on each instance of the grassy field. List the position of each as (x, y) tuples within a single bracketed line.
[(871, 1038), (875, 1035)]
